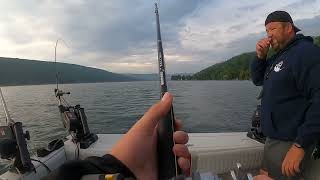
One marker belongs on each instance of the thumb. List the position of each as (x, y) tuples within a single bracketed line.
[(154, 114)]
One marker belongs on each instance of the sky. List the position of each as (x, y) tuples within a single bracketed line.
[(120, 36)]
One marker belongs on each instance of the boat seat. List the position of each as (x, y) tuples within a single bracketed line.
[(220, 152)]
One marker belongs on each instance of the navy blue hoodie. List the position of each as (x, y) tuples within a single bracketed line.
[(291, 92)]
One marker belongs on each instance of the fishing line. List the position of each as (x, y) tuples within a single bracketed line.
[(55, 59)]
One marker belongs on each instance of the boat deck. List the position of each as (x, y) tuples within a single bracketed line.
[(211, 152), (217, 153)]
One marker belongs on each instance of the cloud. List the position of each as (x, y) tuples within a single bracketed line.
[(310, 26), (120, 36), (224, 30)]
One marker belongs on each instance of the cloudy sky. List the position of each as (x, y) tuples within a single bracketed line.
[(120, 36)]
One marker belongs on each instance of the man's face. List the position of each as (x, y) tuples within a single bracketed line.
[(278, 35)]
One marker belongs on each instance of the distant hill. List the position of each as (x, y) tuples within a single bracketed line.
[(144, 77), (182, 76), (15, 71), (237, 67), (147, 77)]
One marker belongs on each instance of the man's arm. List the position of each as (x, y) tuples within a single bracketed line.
[(306, 73), (307, 79), (259, 63), (74, 170), (135, 154), (258, 68)]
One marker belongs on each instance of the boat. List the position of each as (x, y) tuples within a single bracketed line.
[(235, 155)]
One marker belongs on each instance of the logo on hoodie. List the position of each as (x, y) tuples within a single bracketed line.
[(277, 67)]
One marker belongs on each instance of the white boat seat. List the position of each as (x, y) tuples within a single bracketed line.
[(220, 152)]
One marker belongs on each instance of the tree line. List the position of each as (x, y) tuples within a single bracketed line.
[(236, 68)]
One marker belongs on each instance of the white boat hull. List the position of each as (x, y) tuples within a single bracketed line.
[(211, 152)]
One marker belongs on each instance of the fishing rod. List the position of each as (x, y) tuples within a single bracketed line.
[(55, 63), (13, 142), (167, 160), (58, 93), (6, 112), (73, 118)]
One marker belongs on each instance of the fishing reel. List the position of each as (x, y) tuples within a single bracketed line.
[(74, 120), (255, 131), (13, 146), (316, 151)]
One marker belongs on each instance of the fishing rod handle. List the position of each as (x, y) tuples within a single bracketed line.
[(167, 161)]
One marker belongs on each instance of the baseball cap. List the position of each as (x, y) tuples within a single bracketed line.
[(280, 16)]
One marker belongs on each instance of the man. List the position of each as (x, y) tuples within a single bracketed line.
[(291, 97), (134, 156)]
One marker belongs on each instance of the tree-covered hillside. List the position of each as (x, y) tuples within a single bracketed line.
[(23, 72), (234, 68)]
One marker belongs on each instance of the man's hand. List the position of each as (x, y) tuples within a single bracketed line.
[(137, 149), (262, 48), (291, 163)]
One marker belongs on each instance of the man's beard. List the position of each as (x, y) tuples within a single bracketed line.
[(275, 46)]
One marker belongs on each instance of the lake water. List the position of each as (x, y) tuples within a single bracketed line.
[(203, 106)]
